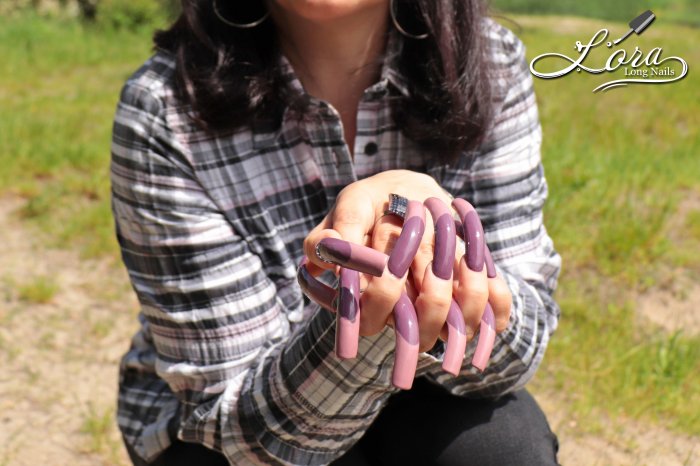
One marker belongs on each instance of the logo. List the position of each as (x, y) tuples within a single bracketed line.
[(638, 67)]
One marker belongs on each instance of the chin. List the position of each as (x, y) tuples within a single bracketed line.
[(327, 10)]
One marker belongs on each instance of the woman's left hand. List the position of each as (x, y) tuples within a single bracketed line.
[(358, 217)]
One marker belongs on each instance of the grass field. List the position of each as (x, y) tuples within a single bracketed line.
[(618, 163), (680, 11)]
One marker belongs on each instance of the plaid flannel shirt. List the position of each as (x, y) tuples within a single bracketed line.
[(230, 354)]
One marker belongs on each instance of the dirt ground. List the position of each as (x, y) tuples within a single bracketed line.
[(59, 360)]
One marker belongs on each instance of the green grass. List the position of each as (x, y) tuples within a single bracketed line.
[(617, 163), (98, 428), (40, 290), (59, 84), (680, 11)]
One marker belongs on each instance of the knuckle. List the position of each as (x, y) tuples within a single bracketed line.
[(380, 296), (439, 300), (476, 293), (347, 216), (385, 235)]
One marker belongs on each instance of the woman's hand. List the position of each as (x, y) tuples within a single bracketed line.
[(358, 217)]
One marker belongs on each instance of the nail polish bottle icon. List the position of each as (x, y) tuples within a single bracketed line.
[(638, 25)]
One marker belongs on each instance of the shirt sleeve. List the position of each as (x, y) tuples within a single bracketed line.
[(505, 182), (248, 386)]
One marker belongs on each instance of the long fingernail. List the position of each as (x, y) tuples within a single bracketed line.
[(409, 240), (315, 289), (488, 260), (456, 340), (474, 234), (487, 337), (445, 238), (407, 338), (352, 256), (347, 323)]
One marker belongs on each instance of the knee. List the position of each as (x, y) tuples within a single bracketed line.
[(516, 433)]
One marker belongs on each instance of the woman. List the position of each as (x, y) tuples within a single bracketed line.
[(258, 129)]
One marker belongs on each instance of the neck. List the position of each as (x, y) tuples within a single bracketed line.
[(337, 59)]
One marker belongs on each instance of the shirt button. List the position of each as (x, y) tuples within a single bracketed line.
[(371, 148)]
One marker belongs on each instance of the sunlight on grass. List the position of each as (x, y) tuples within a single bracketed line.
[(617, 163), (40, 290), (99, 428), (59, 85)]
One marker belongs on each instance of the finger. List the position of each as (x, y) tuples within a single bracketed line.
[(432, 307), (445, 238), (322, 231), (378, 300), (471, 295), (353, 256), (488, 260), (347, 330), (316, 290), (456, 341), (423, 257), (500, 298), (461, 247), (384, 290), (442, 266), (407, 349), (409, 240), (473, 234), (487, 337), (353, 216)]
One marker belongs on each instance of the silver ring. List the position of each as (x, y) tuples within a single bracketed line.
[(397, 205)]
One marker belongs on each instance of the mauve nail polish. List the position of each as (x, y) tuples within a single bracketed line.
[(352, 256), (407, 337), (406, 246), (315, 289), (445, 238), (409, 240), (490, 266), (445, 246), (475, 242)]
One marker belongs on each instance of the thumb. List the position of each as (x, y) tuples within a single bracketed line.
[(354, 217)]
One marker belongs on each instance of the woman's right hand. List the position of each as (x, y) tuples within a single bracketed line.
[(356, 218)]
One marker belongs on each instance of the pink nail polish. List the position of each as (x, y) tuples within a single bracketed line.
[(456, 340), (352, 256), (347, 329), (487, 337), (407, 339)]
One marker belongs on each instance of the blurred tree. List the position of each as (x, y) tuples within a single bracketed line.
[(88, 9)]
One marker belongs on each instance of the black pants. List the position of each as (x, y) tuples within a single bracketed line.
[(426, 426)]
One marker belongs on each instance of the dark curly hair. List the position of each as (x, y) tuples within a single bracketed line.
[(220, 68)]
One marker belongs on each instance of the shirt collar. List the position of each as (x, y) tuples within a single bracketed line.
[(389, 75), (389, 78)]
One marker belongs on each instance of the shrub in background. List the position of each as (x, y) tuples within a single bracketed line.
[(128, 14), (118, 14)]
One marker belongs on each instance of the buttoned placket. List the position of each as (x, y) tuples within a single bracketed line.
[(323, 128)]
